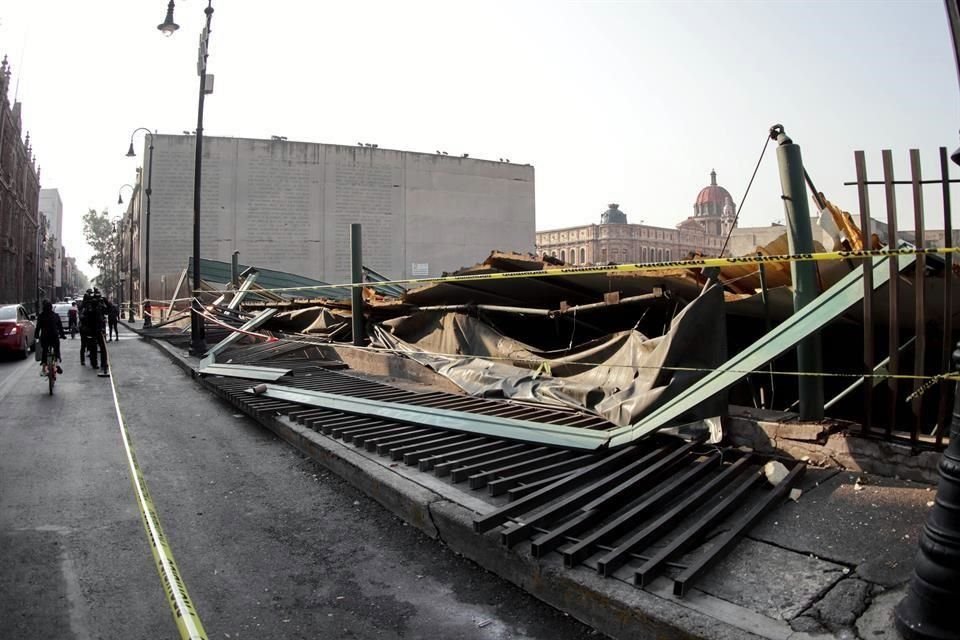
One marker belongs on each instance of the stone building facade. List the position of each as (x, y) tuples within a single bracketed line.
[(616, 240), (19, 195)]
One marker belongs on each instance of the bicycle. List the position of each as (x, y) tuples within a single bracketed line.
[(51, 369)]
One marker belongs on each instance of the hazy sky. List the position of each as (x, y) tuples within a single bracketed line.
[(628, 102)]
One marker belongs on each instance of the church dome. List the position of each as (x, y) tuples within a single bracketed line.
[(613, 215), (712, 199)]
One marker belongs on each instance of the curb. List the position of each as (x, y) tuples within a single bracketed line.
[(610, 606)]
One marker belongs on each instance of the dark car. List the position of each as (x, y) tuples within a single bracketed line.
[(17, 331)]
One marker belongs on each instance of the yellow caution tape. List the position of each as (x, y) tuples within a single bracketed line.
[(184, 613), (695, 263)]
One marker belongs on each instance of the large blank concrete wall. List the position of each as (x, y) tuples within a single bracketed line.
[(289, 205)]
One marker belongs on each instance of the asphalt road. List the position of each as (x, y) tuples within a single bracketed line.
[(269, 544)]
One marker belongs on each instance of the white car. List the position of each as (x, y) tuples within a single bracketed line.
[(62, 309)]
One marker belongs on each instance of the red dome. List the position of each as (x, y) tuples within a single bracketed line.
[(713, 193)]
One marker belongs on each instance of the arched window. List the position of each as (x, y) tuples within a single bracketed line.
[(573, 256), (583, 255), (554, 253), (644, 255), (659, 255), (563, 255), (666, 254)]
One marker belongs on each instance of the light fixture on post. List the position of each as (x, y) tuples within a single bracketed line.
[(130, 315), (198, 342), (147, 318), (168, 26)]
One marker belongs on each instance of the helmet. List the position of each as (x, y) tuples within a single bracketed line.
[(89, 292)]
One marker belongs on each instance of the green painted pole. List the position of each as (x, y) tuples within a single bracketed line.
[(803, 274), (356, 270)]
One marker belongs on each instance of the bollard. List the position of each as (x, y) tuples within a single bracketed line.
[(926, 613)]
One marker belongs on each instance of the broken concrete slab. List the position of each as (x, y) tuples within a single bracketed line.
[(877, 621), (843, 604), (823, 522), (776, 582)]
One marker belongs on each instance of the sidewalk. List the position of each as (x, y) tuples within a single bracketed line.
[(831, 565)]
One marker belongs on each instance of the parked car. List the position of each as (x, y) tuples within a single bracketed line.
[(62, 309), (17, 331)]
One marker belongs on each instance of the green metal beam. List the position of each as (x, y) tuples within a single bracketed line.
[(828, 306)]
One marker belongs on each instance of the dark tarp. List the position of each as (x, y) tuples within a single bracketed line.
[(621, 377)]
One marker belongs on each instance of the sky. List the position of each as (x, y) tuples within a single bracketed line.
[(627, 102)]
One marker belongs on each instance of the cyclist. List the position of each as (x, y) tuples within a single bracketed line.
[(73, 317), (49, 332)]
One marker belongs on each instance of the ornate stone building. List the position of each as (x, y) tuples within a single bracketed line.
[(19, 195), (616, 240)]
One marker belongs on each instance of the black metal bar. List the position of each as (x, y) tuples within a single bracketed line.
[(384, 448), (655, 499), (499, 516), (635, 474), (919, 286), (871, 182), (893, 343), (442, 464), (465, 472), (869, 359), (945, 386), (415, 457), (504, 484), (529, 487), (722, 544), (444, 437), (360, 439), (479, 480), (356, 292), (373, 443), (652, 567), (482, 453), (618, 556)]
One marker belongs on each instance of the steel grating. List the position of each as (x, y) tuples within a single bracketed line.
[(661, 506)]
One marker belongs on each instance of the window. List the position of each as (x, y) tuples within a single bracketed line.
[(659, 255), (644, 254), (583, 255), (666, 255), (573, 256), (603, 255), (563, 255)]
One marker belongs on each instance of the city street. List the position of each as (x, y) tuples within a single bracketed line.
[(268, 544)]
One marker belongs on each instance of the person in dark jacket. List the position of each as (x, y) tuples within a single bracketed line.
[(113, 315), (84, 327), (49, 332)]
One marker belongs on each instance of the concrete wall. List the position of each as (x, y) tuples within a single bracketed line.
[(288, 205), (52, 207)]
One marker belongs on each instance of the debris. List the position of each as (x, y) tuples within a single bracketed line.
[(857, 486), (795, 494), (775, 472), (483, 623), (930, 503)]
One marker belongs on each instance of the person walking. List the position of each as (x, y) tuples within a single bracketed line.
[(73, 316), (85, 335), (49, 333), (113, 315)]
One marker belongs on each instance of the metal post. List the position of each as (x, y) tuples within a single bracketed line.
[(198, 341), (926, 613), (803, 274), (356, 272), (147, 319), (130, 314), (235, 269)]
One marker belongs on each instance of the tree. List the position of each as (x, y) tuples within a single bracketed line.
[(99, 233)]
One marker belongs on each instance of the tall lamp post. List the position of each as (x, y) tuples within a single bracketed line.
[(198, 342), (117, 288), (147, 320), (130, 315)]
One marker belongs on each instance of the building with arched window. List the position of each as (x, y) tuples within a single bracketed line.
[(616, 240)]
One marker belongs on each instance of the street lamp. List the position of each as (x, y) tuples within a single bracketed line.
[(130, 315), (198, 342), (118, 281), (147, 320)]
